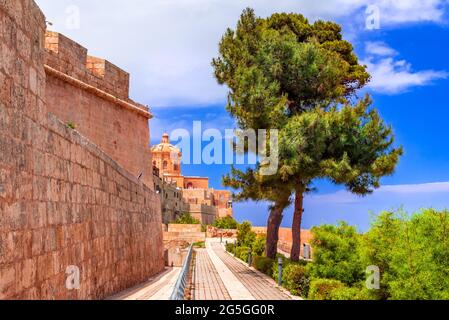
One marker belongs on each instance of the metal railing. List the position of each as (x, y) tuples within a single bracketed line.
[(181, 283)]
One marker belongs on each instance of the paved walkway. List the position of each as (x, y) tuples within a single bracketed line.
[(235, 287), (259, 285), (207, 284), (159, 287), (216, 275)]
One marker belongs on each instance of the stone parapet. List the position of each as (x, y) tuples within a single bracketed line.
[(71, 58)]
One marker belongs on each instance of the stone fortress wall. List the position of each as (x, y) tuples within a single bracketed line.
[(285, 242), (92, 94), (65, 198)]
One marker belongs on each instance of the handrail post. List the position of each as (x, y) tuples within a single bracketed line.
[(280, 262), (181, 283)]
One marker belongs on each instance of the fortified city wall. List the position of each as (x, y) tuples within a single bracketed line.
[(64, 200)]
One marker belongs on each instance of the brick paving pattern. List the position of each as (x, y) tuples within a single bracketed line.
[(207, 284), (259, 286)]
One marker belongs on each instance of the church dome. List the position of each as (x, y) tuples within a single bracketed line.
[(165, 146)]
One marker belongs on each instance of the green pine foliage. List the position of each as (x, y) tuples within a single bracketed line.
[(226, 223), (301, 78)]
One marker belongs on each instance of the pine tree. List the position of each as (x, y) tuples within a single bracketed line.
[(301, 78)]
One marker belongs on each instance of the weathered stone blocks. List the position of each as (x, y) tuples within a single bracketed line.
[(63, 201)]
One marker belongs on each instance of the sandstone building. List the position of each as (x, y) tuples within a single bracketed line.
[(203, 203), (70, 199), (93, 95)]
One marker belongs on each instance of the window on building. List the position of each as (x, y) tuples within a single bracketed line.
[(190, 185), (175, 167), (165, 165)]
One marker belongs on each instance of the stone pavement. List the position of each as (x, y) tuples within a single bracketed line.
[(216, 275), (159, 287), (207, 284), (259, 285), (235, 287)]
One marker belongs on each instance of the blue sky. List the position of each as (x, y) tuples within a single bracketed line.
[(167, 46)]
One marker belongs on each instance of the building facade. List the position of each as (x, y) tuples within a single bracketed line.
[(203, 203)]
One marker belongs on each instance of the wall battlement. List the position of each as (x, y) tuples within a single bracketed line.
[(93, 95), (72, 59)]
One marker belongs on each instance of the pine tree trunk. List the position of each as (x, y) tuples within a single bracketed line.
[(274, 222), (296, 227)]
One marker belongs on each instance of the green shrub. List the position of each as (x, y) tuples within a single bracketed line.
[(199, 244), (344, 293), (226, 223), (264, 264), (230, 247), (412, 252), (245, 235), (336, 254), (296, 280), (321, 289), (242, 253), (285, 263), (258, 246), (187, 218)]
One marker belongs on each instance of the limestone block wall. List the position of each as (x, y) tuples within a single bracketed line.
[(172, 203), (204, 213), (190, 233), (213, 232), (196, 183), (92, 94), (286, 240), (197, 196), (63, 201), (184, 228), (223, 201), (190, 237)]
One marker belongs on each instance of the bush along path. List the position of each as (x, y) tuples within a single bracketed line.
[(401, 257)]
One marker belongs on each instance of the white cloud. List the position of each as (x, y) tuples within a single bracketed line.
[(391, 75), (384, 192), (167, 45), (424, 188), (405, 11), (379, 48)]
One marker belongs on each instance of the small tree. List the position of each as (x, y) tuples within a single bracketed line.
[(278, 68), (245, 235), (187, 218), (226, 223)]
